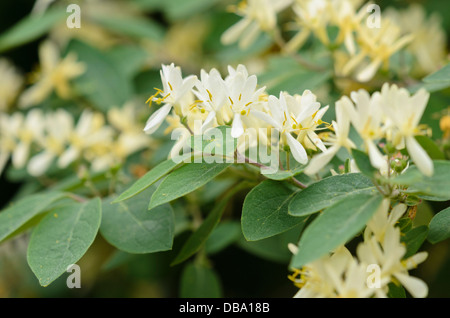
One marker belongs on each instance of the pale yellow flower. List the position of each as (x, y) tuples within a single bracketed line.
[(376, 45), (429, 46), (11, 82), (55, 75)]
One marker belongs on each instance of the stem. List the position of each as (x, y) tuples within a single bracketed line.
[(248, 160), (76, 197), (299, 184)]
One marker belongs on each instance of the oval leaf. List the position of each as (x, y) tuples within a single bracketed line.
[(132, 228), (62, 238), (328, 191), (198, 281), (440, 227), (24, 210), (148, 179), (335, 226), (185, 180), (265, 211)]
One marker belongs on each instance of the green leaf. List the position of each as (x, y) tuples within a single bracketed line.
[(184, 180), (179, 9), (265, 211), (199, 281), (31, 28), (22, 211), (430, 147), (62, 238), (103, 83), (198, 238), (440, 227), (286, 74), (335, 226), (328, 191), (132, 228), (216, 141), (414, 239), (223, 235), (363, 162), (148, 179), (135, 27), (274, 248), (440, 76), (396, 291), (437, 185), (128, 59)]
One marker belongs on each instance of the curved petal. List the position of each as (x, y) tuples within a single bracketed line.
[(321, 160), (157, 118), (237, 129), (419, 156), (297, 149)]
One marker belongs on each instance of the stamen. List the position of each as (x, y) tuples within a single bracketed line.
[(210, 95), (171, 88)]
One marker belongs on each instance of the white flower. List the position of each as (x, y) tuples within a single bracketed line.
[(366, 117), (336, 275), (212, 94), (288, 120), (404, 113), (31, 128), (89, 132), (242, 94), (58, 128), (258, 15), (340, 139), (175, 89), (388, 254)]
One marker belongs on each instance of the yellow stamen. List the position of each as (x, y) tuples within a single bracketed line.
[(210, 95)]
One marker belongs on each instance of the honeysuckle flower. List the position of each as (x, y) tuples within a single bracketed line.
[(366, 117), (404, 113), (58, 129), (388, 254), (258, 15), (338, 275), (90, 131), (130, 137), (175, 89), (55, 75), (288, 122), (429, 45), (307, 125), (9, 128), (242, 95), (346, 16), (378, 44), (213, 95), (313, 16), (31, 128), (337, 140), (11, 82)]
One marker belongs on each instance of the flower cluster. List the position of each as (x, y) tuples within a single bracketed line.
[(365, 41), (380, 261), (37, 140), (391, 116), (237, 101)]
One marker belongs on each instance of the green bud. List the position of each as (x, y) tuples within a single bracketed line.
[(389, 148), (399, 165)]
